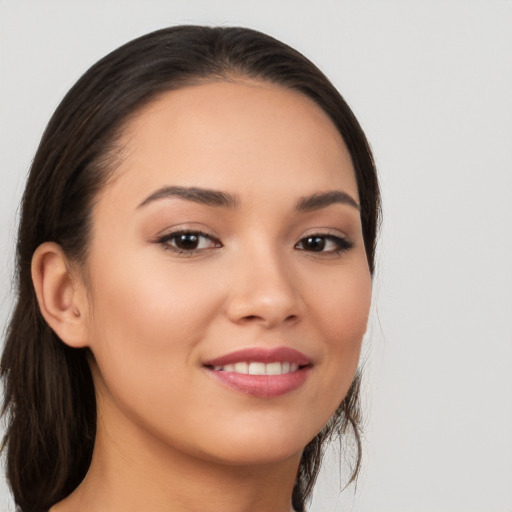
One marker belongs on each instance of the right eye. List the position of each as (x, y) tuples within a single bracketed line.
[(188, 242)]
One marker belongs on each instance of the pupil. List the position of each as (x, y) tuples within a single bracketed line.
[(187, 242), (315, 243)]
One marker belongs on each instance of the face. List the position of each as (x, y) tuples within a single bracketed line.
[(228, 283)]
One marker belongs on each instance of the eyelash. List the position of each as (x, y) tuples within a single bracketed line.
[(341, 244), (167, 240)]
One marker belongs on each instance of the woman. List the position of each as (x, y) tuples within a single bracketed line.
[(195, 255)]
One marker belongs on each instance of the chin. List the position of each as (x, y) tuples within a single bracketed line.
[(253, 454), (259, 444)]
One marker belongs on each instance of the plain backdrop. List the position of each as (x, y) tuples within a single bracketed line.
[(431, 83)]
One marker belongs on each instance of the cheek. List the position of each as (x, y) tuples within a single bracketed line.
[(340, 301), (146, 327), (144, 337), (343, 317), (146, 301), (347, 317)]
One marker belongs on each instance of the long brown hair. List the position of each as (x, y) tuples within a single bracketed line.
[(49, 393)]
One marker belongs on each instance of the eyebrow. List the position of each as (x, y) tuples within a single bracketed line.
[(220, 199), (204, 196), (322, 200)]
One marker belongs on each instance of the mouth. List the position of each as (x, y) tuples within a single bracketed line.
[(257, 368), (263, 373)]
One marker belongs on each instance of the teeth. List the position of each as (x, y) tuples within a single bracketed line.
[(241, 367), (273, 369), (255, 368)]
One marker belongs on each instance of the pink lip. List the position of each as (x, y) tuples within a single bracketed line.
[(262, 386), (261, 355)]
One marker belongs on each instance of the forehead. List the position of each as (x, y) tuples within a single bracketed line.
[(234, 135)]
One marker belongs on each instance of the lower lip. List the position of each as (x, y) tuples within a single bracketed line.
[(262, 386)]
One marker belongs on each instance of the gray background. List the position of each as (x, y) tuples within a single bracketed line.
[(431, 82)]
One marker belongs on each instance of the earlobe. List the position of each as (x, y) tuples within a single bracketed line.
[(59, 294)]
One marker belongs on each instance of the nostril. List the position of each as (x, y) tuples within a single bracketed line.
[(250, 317)]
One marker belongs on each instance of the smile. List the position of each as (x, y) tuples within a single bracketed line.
[(261, 372), (257, 368)]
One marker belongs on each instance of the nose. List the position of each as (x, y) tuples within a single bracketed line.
[(264, 292)]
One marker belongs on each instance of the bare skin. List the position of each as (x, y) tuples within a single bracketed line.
[(174, 280)]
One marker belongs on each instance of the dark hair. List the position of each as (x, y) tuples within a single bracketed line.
[(49, 392)]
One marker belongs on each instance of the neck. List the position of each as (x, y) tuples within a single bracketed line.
[(132, 471)]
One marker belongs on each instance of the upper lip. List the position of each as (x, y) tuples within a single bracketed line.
[(261, 355)]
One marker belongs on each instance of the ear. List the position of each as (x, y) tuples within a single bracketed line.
[(61, 294)]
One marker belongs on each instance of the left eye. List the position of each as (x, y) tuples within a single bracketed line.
[(324, 243), (188, 241)]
